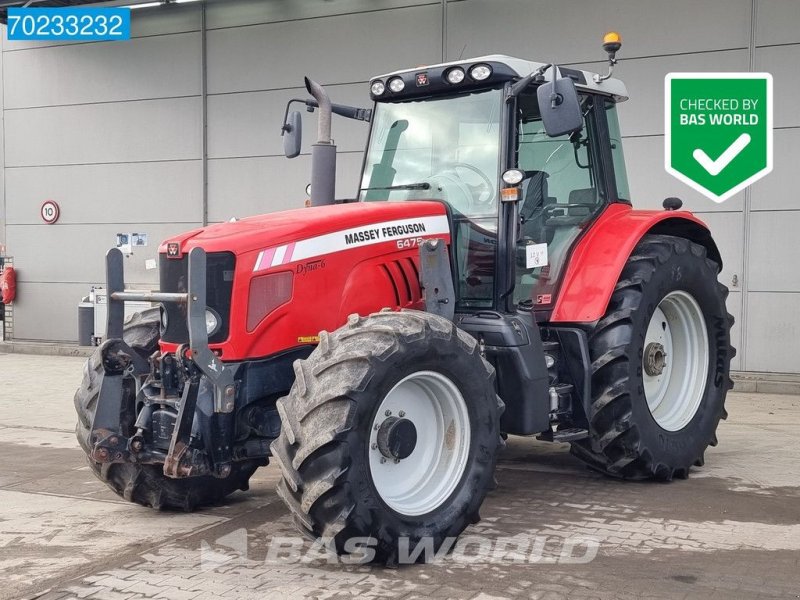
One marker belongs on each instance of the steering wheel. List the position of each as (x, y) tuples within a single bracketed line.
[(454, 191), (486, 188), (457, 192)]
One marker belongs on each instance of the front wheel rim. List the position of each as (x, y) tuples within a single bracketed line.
[(420, 482), (675, 360)]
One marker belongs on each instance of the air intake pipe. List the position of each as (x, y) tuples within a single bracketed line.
[(323, 153)]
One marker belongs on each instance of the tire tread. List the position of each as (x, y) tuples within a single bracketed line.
[(313, 453), (615, 446)]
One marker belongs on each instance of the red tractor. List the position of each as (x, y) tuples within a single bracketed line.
[(490, 279)]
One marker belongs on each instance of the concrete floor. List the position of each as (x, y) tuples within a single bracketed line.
[(554, 528)]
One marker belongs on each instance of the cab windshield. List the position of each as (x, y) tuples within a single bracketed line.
[(445, 148)]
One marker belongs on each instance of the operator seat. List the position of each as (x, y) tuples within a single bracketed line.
[(531, 212), (534, 194), (587, 196)]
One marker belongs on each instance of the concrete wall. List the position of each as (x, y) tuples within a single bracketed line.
[(115, 131), (2, 153)]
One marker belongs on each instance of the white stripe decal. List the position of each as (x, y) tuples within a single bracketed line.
[(356, 237), (280, 252)]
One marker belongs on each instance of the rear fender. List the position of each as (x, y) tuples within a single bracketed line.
[(599, 257)]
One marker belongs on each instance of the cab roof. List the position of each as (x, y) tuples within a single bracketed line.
[(515, 68)]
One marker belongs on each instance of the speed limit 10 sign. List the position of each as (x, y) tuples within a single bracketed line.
[(50, 212)]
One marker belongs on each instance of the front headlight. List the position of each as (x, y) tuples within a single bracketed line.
[(213, 322)]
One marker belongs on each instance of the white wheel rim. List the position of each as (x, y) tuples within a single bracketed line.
[(675, 360), (424, 480)]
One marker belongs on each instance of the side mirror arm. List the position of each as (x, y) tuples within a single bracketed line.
[(343, 110), (350, 112), (518, 87)]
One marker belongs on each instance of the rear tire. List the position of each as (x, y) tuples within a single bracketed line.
[(373, 371), (146, 484), (648, 419)]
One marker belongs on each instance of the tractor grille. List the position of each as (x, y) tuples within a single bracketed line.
[(173, 274), (404, 277)]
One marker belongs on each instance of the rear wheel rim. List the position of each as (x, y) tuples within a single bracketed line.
[(425, 479), (675, 360)]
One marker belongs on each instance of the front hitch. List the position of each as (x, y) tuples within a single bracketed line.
[(107, 442), (119, 361)]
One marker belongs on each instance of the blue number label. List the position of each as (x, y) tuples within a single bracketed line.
[(73, 23)]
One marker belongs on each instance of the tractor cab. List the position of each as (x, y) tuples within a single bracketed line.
[(474, 134)]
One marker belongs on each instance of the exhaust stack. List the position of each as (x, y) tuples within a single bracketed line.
[(323, 153)]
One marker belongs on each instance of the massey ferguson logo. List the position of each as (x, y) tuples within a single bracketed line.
[(422, 79), (173, 250)]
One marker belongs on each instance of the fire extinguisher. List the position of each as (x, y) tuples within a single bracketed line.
[(8, 285)]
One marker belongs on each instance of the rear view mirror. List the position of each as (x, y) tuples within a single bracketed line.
[(292, 133), (559, 106)]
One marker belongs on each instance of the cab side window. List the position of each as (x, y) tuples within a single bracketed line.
[(560, 170), (563, 190), (617, 156)]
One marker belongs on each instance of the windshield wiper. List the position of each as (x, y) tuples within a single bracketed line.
[(405, 186)]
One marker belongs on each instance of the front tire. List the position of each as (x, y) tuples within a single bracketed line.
[(660, 364), (390, 431)]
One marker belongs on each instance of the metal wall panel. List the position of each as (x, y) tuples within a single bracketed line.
[(239, 187), (780, 189), (727, 228), (137, 159), (643, 114), (773, 332), (2, 147), (220, 13), (145, 192), (248, 124), (650, 183), (342, 49), (734, 304), (76, 253), (58, 301), (144, 68), (774, 251), (145, 22), (782, 62), (103, 133), (777, 22), (571, 30)]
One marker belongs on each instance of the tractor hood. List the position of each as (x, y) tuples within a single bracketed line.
[(275, 229), (298, 272)]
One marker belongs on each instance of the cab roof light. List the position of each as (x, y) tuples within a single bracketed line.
[(480, 72), (612, 42), (377, 87), (455, 75), (396, 84)]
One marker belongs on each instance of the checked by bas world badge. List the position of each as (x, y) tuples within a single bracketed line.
[(718, 130)]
